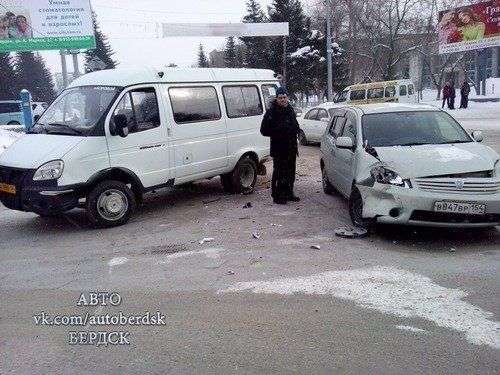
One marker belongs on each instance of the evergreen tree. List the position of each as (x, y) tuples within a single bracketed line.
[(8, 90), (289, 11), (230, 58), (33, 75), (202, 58), (99, 58), (256, 48)]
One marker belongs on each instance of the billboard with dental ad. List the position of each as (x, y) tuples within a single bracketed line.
[(36, 25), (469, 27)]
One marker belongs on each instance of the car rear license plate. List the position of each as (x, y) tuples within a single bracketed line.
[(460, 208), (7, 188)]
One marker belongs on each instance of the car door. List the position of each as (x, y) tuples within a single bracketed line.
[(321, 124), (329, 149), (144, 151), (307, 123), (199, 134), (344, 158)]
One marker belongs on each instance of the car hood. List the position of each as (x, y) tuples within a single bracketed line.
[(32, 150), (436, 160)]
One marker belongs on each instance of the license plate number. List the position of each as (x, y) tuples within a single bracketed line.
[(7, 188), (460, 208)]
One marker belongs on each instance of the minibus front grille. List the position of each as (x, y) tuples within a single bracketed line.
[(12, 176)]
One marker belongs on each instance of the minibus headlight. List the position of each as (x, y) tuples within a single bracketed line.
[(385, 176), (496, 168), (49, 171)]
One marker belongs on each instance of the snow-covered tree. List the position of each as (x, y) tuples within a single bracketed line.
[(8, 85), (99, 58), (202, 57), (230, 56), (256, 48)]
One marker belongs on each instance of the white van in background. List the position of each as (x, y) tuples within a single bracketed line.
[(113, 135), (398, 91)]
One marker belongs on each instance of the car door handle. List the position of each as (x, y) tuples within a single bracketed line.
[(145, 147)]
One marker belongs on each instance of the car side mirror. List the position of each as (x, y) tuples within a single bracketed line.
[(36, 118), (344, 142), (121, 125), (478, 135)]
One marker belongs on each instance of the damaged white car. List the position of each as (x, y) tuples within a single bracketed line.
[(410, 164)]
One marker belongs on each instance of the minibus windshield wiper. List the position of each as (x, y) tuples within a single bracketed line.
[(414, 144), (456, 141), (56, 124)]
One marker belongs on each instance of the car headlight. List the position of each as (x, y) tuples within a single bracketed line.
[(496, 168), (49, 171), (386, 176)]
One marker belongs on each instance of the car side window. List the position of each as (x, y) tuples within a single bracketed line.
[(337, 126), (402, 90), (140, 107), (350, 129), (311, 115), (322, 113)]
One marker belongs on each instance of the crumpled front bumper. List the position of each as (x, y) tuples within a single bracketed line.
[(411, 206)]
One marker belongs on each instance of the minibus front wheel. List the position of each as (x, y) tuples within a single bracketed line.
[(243, 178), (110, 204)]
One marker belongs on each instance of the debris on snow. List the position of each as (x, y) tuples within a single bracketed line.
[(248, 205), (256, 235), (316, 247), (230, 272), (452, 250), (206, 239), (348, 232)]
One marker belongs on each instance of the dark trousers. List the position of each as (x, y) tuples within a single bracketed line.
[(451, 103), (283, 176), (445, 101), (464, 101)]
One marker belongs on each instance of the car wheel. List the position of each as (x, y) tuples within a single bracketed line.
[(243, 178), (302, 138), (356, 210), (110, 204), (327, 186), (13, 123)]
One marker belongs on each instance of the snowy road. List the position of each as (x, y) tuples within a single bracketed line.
[(401, 301)]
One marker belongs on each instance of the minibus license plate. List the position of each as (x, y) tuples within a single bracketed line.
[(460, 208), (7, 188)]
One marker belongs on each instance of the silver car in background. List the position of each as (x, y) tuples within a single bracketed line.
[(410, 164)]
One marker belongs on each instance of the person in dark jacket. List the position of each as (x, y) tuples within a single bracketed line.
[(446, 94), (464, 94), (451, 98), (280, 124)]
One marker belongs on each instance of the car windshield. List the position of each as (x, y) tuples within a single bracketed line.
[(77, 110), (412, 128)]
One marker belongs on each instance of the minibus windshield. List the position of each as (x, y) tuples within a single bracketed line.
[(77, 110)]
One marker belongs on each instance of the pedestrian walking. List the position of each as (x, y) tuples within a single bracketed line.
[(281, 125), (451, 98), (464, 94), (446, 94)]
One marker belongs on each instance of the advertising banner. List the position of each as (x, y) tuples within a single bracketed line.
[(469, 27), (225, 29), (33, 25)]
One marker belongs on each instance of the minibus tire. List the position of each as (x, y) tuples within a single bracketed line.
[(121, 193), (245, 165), (302, 138)]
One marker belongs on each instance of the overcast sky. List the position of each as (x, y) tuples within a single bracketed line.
[(131, 28)]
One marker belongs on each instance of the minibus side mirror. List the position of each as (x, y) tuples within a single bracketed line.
[(36, 118), (121, 125)]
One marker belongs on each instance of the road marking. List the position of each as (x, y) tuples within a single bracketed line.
[(392, 291), (211, 253)]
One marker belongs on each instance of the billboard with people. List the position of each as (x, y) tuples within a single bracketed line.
[(469, 27), (45, 24)]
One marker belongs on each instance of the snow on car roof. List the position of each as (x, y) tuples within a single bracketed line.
[(133, 76), (392, 107)]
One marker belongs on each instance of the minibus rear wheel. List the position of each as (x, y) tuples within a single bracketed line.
[(243, 178), (110, 204)]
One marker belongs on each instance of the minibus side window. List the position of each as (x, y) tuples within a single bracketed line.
[(375, 93), (358, 95), (390, 91), (269, 94), (410, 89), (402, 90), (141, 109), (242, 101), (194, 104)]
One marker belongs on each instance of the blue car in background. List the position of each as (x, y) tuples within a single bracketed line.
[(11, 112)]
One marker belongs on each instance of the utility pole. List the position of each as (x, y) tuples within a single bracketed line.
[(284, 61), (76, 69), (329, 50), (64, 69)]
